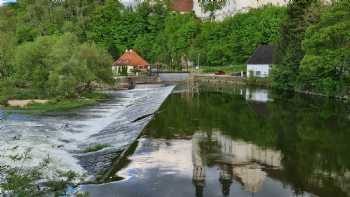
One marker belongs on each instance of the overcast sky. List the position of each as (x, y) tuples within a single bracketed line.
[(3, 1)]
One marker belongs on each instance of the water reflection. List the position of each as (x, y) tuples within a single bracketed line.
[(238, 141), (259, 95), (237, 159)]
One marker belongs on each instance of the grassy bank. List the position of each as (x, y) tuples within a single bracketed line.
[(63, 104), (226, 69), (259, 82)]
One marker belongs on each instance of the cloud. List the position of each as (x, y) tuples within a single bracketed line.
[(6, 1)]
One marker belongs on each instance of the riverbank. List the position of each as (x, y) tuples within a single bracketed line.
[(256, 82), (227, 69), (231, 80), (57, 104), (87, 140)]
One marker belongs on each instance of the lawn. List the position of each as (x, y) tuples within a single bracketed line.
[(226, 69)]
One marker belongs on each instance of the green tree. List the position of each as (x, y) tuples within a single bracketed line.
[(61, 66), (33, 63), (7, 49), (235, 39), (326, 65), (290, 52), (7, 40)]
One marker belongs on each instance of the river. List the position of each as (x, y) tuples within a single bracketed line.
[(204, 140), (64, 136), (237, 141)]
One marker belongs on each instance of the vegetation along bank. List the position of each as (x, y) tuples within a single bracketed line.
[(56, 49)]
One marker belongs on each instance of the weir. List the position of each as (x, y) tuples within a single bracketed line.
[(65, 137)]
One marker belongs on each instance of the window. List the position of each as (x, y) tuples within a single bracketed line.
[(257, 73)]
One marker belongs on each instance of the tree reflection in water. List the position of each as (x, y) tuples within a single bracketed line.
[(251, 133)]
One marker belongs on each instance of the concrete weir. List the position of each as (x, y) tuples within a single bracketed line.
[(124, 131), (70, 138)]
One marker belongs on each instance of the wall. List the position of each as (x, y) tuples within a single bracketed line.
[(234, 6), (174, 76), (263, 68)]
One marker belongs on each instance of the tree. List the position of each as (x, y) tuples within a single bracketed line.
[(326, 65), (33, 63), (7, 49), (7, 40), (61, 66), (235, 39), (290, 52)]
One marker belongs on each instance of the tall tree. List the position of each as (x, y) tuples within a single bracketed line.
[(326, 65), (290, 52)]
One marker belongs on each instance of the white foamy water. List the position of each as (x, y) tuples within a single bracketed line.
[(61, 136)]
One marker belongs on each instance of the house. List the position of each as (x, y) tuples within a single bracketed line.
[(130, 62), (259, 64)]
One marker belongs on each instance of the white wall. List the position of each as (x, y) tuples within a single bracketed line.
[(234, 6), (115, 69), (259, 95), (264, 70)]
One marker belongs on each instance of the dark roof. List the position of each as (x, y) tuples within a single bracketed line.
[(264, 54)]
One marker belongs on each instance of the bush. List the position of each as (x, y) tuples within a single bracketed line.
[(52, 66), (32, 182)]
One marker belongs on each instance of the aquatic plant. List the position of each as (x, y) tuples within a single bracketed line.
[(95, 148), (23, 181)]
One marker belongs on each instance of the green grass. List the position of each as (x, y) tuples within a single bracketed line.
[(63, 104), (95, 148), (261, 82), (60, 105), (226, 69)]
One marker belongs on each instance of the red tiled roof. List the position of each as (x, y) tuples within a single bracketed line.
[(131, 58), (181, 5)]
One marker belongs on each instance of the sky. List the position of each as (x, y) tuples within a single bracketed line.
[(4, 1)]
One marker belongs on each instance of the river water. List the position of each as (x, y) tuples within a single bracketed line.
[(237, 141), (63, 137)]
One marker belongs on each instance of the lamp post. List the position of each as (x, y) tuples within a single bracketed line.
[(199, 55)]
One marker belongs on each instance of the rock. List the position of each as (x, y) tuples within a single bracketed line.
[(24, 103)]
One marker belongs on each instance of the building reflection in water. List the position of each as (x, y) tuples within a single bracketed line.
[(238, 160), (258, 95)]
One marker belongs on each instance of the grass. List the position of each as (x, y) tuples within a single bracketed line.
[(60, 105), (95, 148), (63, 104), (261, 82), (226, 69)]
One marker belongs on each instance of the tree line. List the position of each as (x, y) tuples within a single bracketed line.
[(314, 48), (60, 47)]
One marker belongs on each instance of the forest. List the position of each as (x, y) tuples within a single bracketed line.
[(314, 48), (58, 48)]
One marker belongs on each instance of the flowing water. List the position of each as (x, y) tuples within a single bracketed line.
[(237, 141), (64, 136)]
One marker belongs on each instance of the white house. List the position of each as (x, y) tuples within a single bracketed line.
[(259, 64)]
